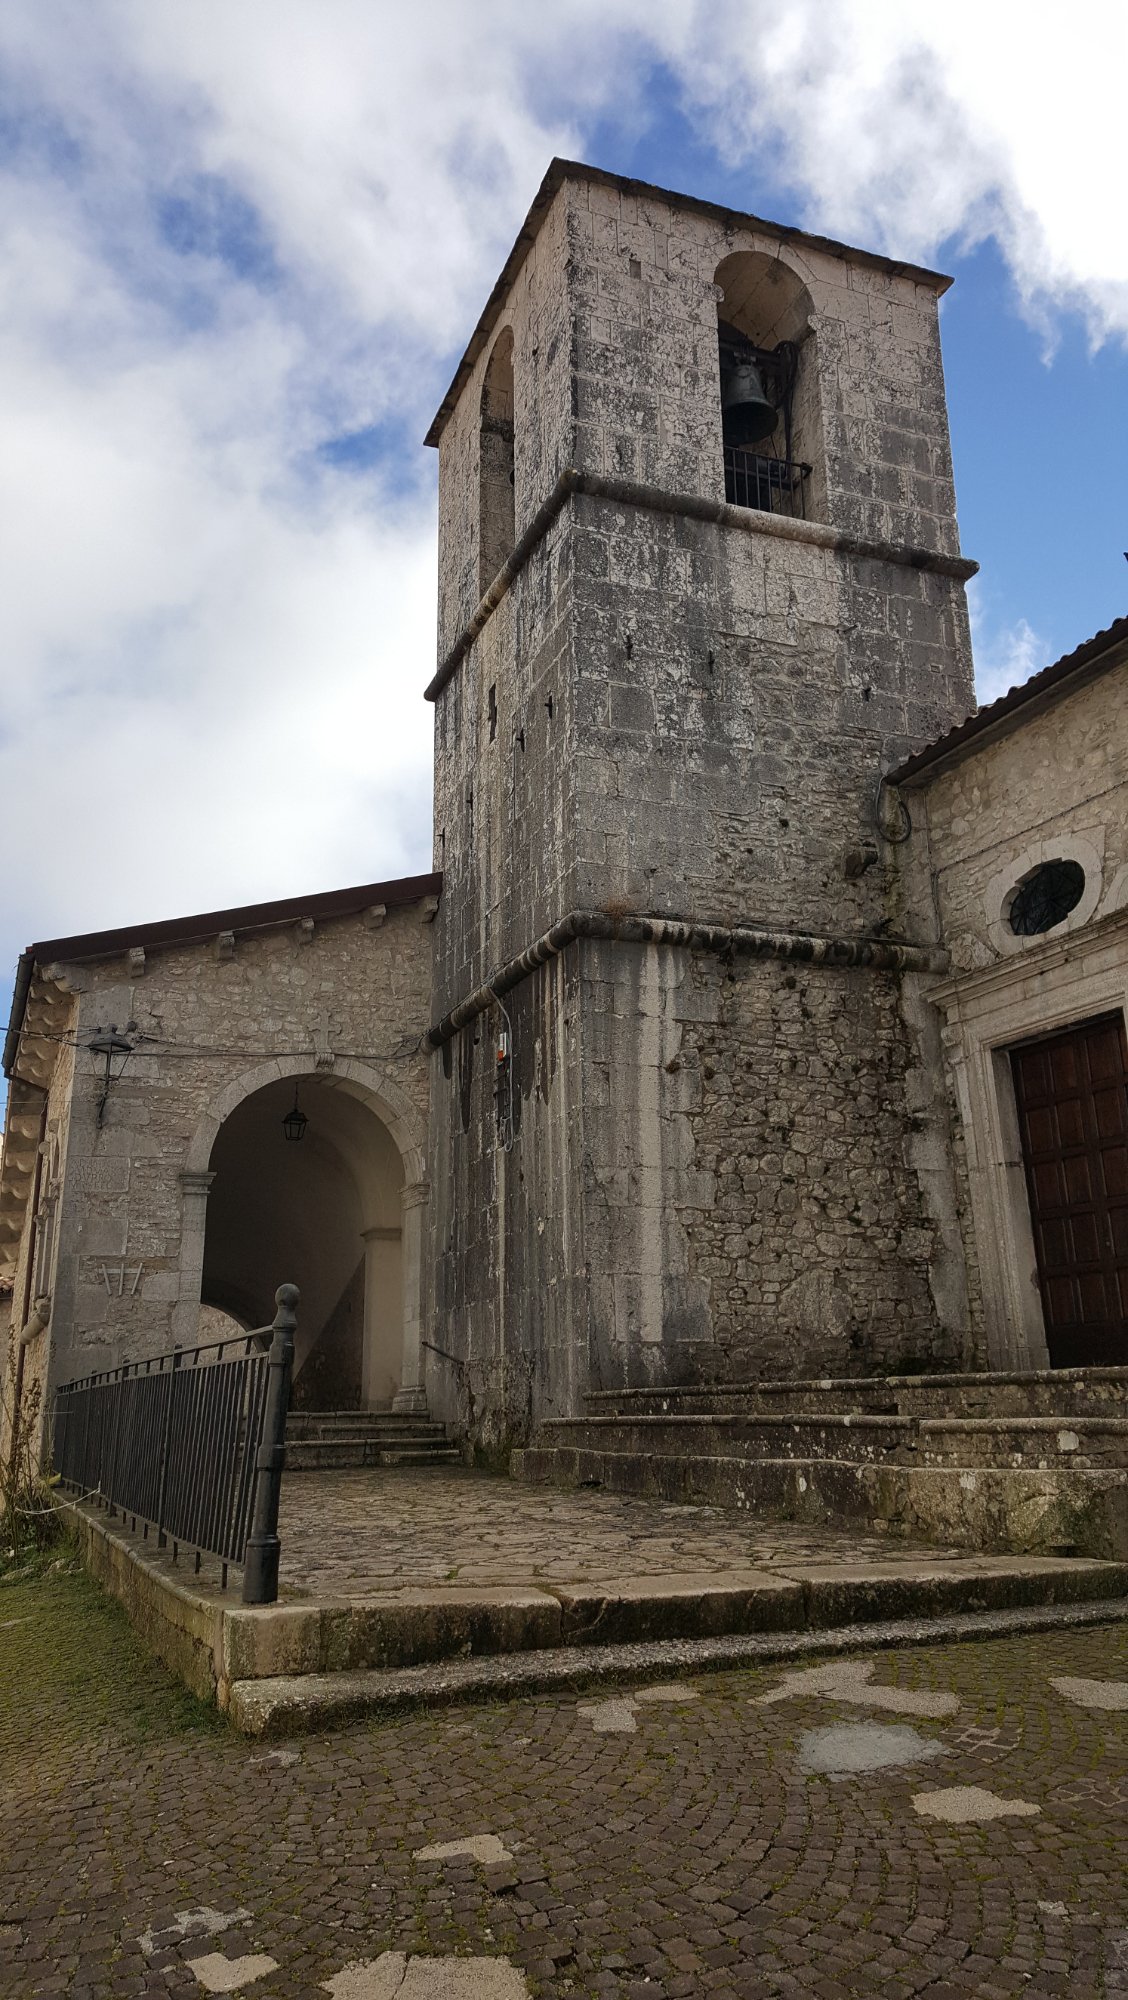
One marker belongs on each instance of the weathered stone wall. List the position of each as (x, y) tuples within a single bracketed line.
[(761, 1209), (615, 366), (506, 779), (1051, 782), (715, 1175), (55, 1065), (204, 1022), (736, 696), (714, 1171), (642, 272), (512, 1299), (536, 313)]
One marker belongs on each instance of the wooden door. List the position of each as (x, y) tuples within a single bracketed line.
[(1072, 1095)]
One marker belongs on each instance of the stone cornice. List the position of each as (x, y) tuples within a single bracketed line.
[(686, 934), (1044, 955), (748, 520)]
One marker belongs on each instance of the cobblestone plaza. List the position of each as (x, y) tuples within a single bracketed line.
[(736, 1834)]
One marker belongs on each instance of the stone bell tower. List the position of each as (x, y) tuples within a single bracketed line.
[(699, 583)]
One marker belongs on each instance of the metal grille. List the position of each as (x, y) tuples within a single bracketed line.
[(771, 485), (171, 1442)]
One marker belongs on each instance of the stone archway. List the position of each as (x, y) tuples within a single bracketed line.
[(338, 1213)]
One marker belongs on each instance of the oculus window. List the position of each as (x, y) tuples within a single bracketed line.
[(1046, 897)]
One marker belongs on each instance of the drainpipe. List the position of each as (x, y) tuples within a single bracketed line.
[(30, 1322)]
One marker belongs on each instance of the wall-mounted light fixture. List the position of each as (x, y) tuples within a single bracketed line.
[(109, 1053), (295, 1121)]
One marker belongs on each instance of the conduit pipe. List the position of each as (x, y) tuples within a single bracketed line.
[(27, 1315)]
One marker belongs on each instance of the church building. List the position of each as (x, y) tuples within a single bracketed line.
[(763, 1018)]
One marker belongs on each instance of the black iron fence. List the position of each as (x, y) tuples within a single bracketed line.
[(772, 485), (191, 1444)]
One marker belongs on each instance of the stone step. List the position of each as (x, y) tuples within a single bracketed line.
[(330, 1424), (344, 1454), (292, 1704), (1048, 1392), (818, 1588), (411, 1626), (1040, 1502), (404, 1455), (346, 1419), (414, 1428), (1041, 1443)]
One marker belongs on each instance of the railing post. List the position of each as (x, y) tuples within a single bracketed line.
[(260, 1562), (166, 1440), (86, 1407)]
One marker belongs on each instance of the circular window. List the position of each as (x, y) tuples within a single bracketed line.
[(1046, 897)]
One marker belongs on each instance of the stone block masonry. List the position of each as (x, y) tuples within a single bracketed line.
[(1042, 781), (343, 1001), (686, 1164), (712, 1177)]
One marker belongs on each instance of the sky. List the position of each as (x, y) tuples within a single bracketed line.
[(242, 243)]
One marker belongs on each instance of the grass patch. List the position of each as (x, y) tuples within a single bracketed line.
[(71, 1663)]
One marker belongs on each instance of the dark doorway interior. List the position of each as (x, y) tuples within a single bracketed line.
[(1072, 1094), (322, 1212)]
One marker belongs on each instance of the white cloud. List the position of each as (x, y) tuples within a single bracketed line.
[(903, 125), (1006, 654), (215, 641)]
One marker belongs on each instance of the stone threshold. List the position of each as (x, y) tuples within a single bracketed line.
[(216, 1644), (291, 1706)]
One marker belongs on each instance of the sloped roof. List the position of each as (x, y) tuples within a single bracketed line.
[(326, 904), (1096, 656)]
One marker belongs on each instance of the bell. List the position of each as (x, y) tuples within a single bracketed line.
[(746, 414)]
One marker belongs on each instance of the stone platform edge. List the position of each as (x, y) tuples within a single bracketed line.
[(1027, 1510), (291, 1707), (214, 1643)]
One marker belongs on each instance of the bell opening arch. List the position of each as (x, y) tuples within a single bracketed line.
[(496, 494), (771, 411)]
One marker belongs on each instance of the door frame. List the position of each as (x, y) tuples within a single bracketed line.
[(1075, 1033), (988, 1012)]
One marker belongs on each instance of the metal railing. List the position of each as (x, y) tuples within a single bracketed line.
[(190, 1443), (772, 485)]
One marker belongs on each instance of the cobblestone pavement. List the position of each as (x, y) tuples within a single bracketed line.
[(343, 1532), (690, 1840)]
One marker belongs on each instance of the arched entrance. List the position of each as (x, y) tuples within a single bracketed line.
[(326, 1212)]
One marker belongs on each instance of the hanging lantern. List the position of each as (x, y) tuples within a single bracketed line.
[(295, 1121), (109, 1052)]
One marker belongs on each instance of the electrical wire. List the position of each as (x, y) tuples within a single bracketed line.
[(154, 1045)]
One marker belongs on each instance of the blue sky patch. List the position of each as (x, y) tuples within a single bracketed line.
[(207, 217)]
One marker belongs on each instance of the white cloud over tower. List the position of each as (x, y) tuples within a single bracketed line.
[(233, 234)]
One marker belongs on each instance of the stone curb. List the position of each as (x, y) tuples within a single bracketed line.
[(219, 1646), (295, 1705)]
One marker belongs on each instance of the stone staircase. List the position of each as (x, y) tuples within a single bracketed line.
[(1034, 1463), (335, 1440)]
